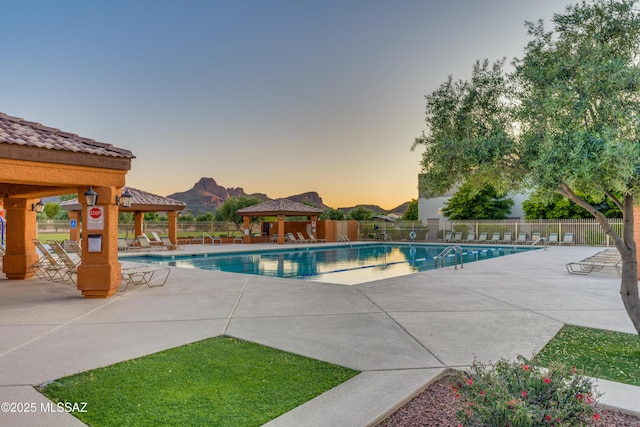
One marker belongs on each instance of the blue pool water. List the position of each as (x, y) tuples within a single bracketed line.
[(335, 264)]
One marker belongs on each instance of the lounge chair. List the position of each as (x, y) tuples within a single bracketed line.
[(290, 238), (169, 245), (471, 237), (274, 238), (567, 239), (456, 237), (482, 238), (609, 258), (143, 275), (507, 237), (47, 267), (301, 238), (447, 236), (143, 243), (343, 238), (522, 238), (70, 264), (156, 239), (124, 246), (313, 239), (553, 239), (495, 238)]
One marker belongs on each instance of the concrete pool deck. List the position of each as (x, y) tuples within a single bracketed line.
[(400, 332)]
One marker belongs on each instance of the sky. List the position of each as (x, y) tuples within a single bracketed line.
[(274, 96)]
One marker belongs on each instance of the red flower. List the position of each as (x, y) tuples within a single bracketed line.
[(525, 367), (547, 417), (470, 381), (547, 380), (524, 393), (579, 396), (596, 417)]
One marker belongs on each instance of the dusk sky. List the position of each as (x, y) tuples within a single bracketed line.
[(276, 97)]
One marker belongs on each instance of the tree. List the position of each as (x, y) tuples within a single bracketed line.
[(483, 203), (411, 213), (332, 213), (556, 206), (229, 210), (565, 120), (360, 214), (51, 209)]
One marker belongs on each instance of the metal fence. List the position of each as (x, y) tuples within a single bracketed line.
[(585, 231)]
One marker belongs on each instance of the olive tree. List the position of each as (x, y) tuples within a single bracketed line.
[(566, 119)]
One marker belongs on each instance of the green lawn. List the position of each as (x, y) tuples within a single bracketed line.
[(220, 381), (597, 353)]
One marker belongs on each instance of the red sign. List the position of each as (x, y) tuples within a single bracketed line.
[(95, 213)]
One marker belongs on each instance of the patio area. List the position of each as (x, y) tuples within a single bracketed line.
[(401, 332)]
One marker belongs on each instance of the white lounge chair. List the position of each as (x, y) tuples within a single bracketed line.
[(495, 238), (567, 239), (522, 238)]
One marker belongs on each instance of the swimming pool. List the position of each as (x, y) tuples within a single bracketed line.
[(347, 265)]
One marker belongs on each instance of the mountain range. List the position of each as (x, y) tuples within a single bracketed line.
[(206, 195)]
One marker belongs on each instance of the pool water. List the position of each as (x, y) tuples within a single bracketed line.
[(344, 264)]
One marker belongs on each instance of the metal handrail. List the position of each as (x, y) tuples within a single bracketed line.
[(207, 235), (457, 251), (541, 239)]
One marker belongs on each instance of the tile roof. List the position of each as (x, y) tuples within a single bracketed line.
[(140, 198), (280, 206), (17, 131)]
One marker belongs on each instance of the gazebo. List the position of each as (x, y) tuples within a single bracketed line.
[(37, 161), (141, 202), (280, 208)]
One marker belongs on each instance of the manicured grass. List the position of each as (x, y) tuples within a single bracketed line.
[(597, 353), (220, 381)]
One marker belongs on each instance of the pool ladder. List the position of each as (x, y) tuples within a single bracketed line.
[(457, 253)]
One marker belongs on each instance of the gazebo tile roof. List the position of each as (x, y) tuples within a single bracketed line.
[(280, 206), (139, 198), (17, 131)]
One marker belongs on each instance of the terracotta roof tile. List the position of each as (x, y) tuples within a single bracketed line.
[(17, 131), (140, 198), (280, 206)]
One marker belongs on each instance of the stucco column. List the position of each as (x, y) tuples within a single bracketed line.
[(247, 228), (99, 275), (173, 226), (74, 233), (138, 223), (20, 231), (281, 229)]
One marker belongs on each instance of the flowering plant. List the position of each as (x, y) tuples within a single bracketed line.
[(519, 394)]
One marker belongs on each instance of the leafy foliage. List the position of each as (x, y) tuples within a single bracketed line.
[(471, 203), (51, 209), (229, 210), (332, 213), (519, 394), (556, 206), (411, 213), (360, 214)]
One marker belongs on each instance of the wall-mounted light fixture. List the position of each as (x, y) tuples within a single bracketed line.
[(124, 200), (37, 207), (91, 197)]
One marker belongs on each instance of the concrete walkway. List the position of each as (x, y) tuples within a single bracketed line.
[(401, 332)]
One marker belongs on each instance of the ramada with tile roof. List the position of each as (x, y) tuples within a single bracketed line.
[(39, 161)]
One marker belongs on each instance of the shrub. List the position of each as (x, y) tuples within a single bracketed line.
[(518, 394)]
